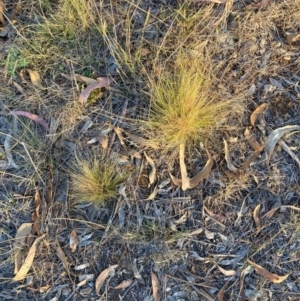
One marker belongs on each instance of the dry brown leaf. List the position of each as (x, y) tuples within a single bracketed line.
[(266, 274), (291, 207), (22, 273), (252, 141), (34, 77), (220, 218), (19, 88), (256, 217), (110, 271), (152, 174), (123, 284), (73, 241), (221, 293), (243, 274), (226, 272), (257, 112), (230, 166), (249, 160), (176, 181), (100, 83), (20, 239), (155, 287)]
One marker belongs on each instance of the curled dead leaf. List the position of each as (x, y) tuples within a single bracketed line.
[(257, 112), (22, 273), (110, 271), (155, 287), (34, 77), (266, 274)]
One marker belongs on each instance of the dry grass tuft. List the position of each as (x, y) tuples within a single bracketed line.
[(185, 107), (96, 181)]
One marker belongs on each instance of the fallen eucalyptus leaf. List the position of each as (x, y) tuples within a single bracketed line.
[(220, 218), (252, 141), (73, 241), (152, 174), (22, 273), (257, 112), (33, 117), (110, 271), (275, 136), (266, 274), (226, 272), (123, 284), (230, 166), (20, 239), (256, 217), (155, 287)]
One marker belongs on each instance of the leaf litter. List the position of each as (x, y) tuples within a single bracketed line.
[(108, 272)]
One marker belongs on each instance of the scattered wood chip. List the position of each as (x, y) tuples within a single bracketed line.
[(22, 273), (155, 287), (33, 117), (256, 217), (152, 174), (20, 239), (110, 271), (220, 218), (274, 137), (266, 274), (226, 272), (209, 234), (257, 112), (73, 241), (123, 284), (230, 166)]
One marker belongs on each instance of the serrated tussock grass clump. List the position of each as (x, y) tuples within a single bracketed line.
[(96, 181), (185, 106)]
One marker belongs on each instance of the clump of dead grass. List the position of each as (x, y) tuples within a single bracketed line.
[(96, 181), (185, 107)]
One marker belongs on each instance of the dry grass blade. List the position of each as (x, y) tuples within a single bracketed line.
[(257, 112), (73, 241), (124, 284), (110, 271), (221, 293), (270, 213), (266, 274), (22, 273), (155, 287), (20, 239), (256, 217), (242, 277), (79, 78), (274, 137)]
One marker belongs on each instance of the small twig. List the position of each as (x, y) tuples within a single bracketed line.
[(288, 150)]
